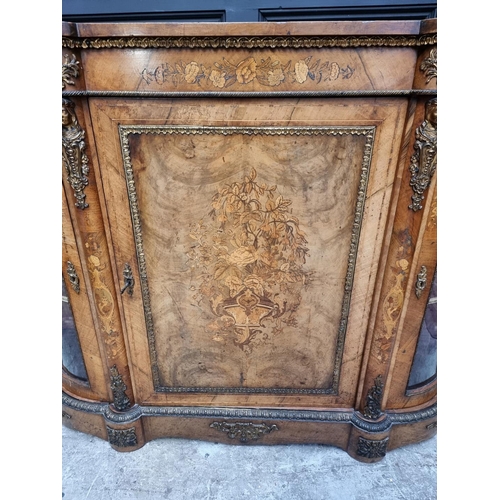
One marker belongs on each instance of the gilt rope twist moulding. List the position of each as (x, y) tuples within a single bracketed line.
[(249, 232)]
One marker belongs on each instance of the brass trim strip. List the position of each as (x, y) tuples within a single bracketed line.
[(303, 93), (342, 416), (248, 42), (367, 131)]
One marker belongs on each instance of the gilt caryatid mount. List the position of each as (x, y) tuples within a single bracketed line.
[(74, 156)]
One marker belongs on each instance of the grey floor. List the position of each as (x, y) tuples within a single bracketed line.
[(179, 469)]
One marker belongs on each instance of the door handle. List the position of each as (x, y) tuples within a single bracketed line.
[(129, 280)]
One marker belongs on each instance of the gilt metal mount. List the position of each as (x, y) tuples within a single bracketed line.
[(423, 162), (73, 277), (421, 282), (245, 431), (129, 280), (372, 408), (75, 160)]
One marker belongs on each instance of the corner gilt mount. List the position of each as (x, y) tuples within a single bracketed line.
[(70, 69), (75, 160), (423, 162), (372, 408)]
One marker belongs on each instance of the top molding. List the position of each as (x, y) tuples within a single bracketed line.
[(250, 35)]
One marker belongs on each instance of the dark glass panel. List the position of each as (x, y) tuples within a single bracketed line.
[(424, 368), (72, 357)]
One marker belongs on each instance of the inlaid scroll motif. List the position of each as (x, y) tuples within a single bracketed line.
[(369, 448), (429, 65), (268, 72), (103, 297), (247, 257), (393, 301), (70, 69), (244, 431), (433, 215), (423, 162), (73, 152)]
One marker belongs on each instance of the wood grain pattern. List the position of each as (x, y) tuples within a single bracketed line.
[(255, 70), (239, 113), (269, 239), (245, 29), (83, 317), (88, 224)]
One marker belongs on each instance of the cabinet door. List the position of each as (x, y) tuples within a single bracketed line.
[(253, 230), (81, 356)]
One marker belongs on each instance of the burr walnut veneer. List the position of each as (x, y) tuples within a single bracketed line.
[(249, 232)]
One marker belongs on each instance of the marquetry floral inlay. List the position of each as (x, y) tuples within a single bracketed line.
[(268, 72), (247, 256), (393, 301)]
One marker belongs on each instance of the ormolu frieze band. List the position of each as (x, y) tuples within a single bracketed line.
[(249, 42)]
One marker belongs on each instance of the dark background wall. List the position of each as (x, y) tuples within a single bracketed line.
[(245, 10)]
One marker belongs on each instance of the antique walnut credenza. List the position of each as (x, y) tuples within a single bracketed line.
[(249, 232)]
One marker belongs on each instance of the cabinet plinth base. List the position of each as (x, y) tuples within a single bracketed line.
[(363, 440)]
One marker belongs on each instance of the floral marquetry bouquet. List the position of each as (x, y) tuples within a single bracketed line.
[(248, 261)]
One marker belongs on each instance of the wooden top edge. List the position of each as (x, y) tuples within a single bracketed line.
[(428, 26), (315, 28)]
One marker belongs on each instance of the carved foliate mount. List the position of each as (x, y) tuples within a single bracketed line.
[(372, 409), (245, 431), (70, 69), (73, 152), (73, 277), (368, 448), (423, 162), (122, 438), (120, 400), (429, 65), (421, 282)]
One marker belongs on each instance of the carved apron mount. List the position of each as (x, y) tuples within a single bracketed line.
[(244, 431), (122, 438)]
